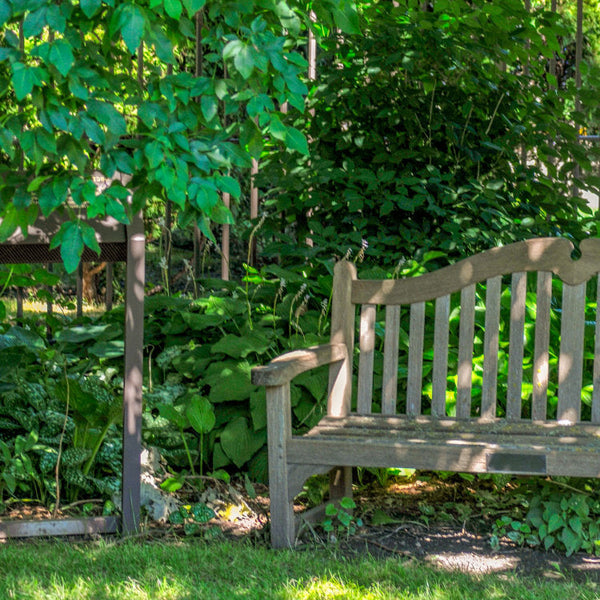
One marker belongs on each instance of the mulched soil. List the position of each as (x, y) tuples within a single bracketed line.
[(449, 544)]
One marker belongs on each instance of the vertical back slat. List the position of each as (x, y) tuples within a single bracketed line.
[(465, 352), (440, 356), (490, 347), (570, 361), (542, 344), (518, 292), (415, 358), (596, 390), (365, 364), (390, 360)]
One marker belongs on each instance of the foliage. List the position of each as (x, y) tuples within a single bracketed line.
[(172, 94), (194, 519), (554, 518), (418, 133), (339, 520), (46, 405)]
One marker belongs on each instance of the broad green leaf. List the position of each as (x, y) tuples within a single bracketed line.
[(71, 245), (90, 7), (108, 115), (173, 8), (210, 107), (111, 349), (132, 28), (81, 333), (200, 414), (277, 129), (34, 22), (5, 11), (244, 62), (555, 522), (239, 442), (240, 346), (171, 485), (89, 237), (193, 6), (346, 17), (23, 80), (61, 56), (172, 415), (198, 322), (295, 140), (229, 381)]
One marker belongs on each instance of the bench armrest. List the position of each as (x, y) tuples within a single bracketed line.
[(284, 368)]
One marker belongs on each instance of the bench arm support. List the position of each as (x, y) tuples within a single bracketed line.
[(284, 368)]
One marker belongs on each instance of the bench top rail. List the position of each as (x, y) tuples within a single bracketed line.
[(499, 359)]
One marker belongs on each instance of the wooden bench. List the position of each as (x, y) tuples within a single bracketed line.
[(425, 398)]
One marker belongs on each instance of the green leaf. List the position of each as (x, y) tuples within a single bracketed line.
[(239, 442), (555, 522), (244, 62), (201, 513), (132, 28), (193, 6), (209, 106), (346, 17), (200, 414), (71, 245), (111, 349), (23, 80), (173, 8), (90, 7), (35, 22), (172, 415), (5, 11), (61, 56), (295, 140), (171, 485), (240, 346), (89, 237)]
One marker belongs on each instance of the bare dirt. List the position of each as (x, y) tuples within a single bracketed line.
[(443, 540)]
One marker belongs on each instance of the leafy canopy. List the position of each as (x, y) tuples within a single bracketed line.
[(171, 93)]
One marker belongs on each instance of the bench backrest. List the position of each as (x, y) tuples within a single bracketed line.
[(505, 302)]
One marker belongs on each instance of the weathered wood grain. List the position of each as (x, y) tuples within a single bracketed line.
[(570, 361), (415, 359), (365, 362), (465, 352), (490, 347), (440, 356), (285, 367), (279, 435), (541, 354), (541, 254), (516, 345), (389, 392), (342, 332)]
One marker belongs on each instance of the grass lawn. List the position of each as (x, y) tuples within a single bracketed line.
[(229, 570)]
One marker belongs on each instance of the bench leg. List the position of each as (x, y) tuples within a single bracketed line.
[(279, 430), (340, 483)]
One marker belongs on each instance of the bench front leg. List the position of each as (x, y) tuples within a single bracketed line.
[(279, 431)]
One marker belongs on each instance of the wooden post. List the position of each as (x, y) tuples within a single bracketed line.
[(279, 433), (340, 373), (132, 389), (109, 295)]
